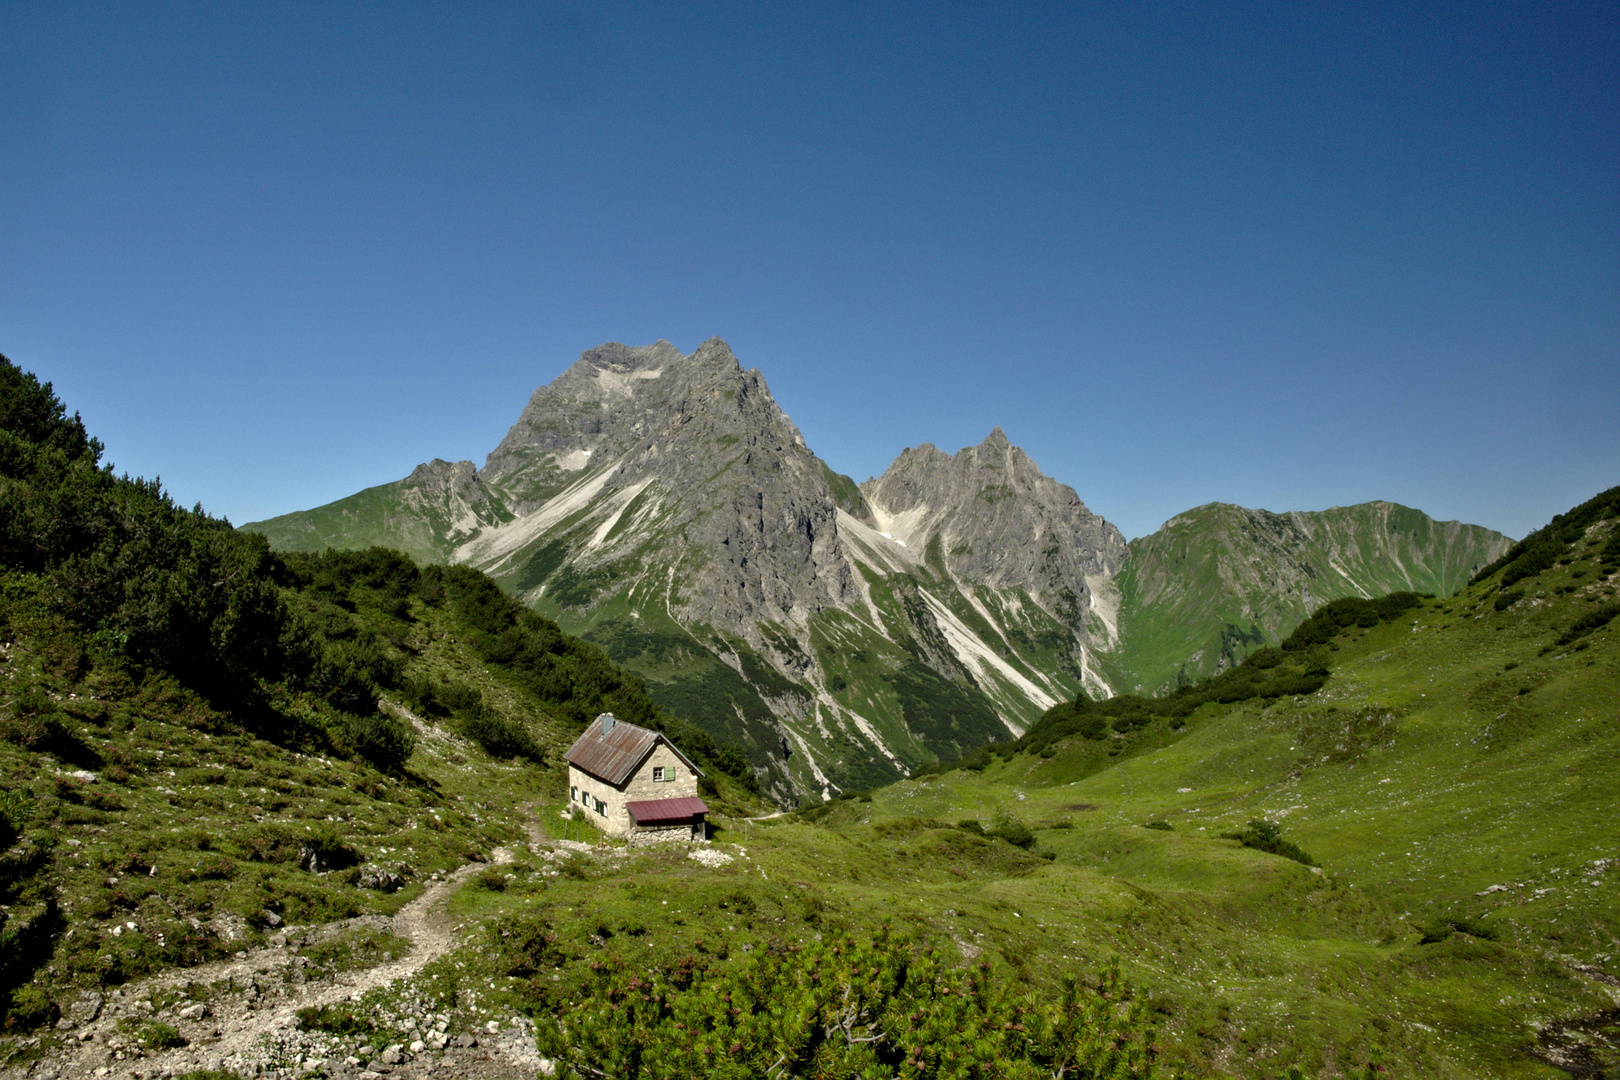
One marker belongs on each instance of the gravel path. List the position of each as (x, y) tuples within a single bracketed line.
[(269, 988)]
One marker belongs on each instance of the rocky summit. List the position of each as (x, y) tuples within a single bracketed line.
[(663, 506)]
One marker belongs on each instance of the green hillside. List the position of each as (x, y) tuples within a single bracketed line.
[(1379, 849), (424, 515), (1383, 846), (1217, 582), (205, 740), (1453, 779)]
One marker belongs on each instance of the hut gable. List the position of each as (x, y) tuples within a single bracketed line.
[(635, 783), (612, 750)]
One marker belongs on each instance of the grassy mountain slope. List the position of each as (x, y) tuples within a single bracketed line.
[(199, 740), (1461, 921), (426, 515), (329, 721), (1219, 581), (1454, 771), (663, 506)]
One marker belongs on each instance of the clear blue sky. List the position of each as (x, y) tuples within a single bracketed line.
[(1286, 256)]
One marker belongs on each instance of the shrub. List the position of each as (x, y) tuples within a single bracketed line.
[(1610, 556), (500, 736), (1162, 826), (387, 742), (850, 1007), (1589, 622), (441, 698), (523, 945), (1507, 599), (1543, 547), (15, 809), (338, 1019), (1347, 611), (156, 1035), (1440, 929), (1265, 836), (352, 950), (319, 849), (29, 1007), (1013, 830)]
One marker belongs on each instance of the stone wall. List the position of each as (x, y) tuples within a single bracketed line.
[(665, 834)]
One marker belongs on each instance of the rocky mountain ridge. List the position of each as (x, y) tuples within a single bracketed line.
[(663, 505)]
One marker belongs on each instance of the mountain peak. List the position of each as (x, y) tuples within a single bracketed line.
[(997, 438), (716, 351)]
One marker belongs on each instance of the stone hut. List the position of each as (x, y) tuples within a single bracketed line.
[(635, 783)]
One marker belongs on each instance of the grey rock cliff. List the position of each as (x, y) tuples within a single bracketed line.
[(745, 515), (991, 517)]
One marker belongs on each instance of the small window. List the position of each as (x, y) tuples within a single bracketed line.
[(601, 807), (659, 773), (573, 794)]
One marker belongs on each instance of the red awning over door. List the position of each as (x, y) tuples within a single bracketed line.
[(666, 811)]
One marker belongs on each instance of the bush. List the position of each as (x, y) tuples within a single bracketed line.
[(1440, 929), (29, 1007), (850, 1007), (1610, 555), (1539, 550), (387, 742), (321, 848), (441, 698), (1507, 599), (338, 1019), (1013, 830), (156, 1035), (1589, 622), (16, 807), (525, 945), (1266, 836), (1347, 611), (1162, 826), (499, 736)]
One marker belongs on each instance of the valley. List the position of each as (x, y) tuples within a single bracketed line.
[(1380, 844), (664, 506)]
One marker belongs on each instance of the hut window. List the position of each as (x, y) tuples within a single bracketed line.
[(601, 807), (573, 794), (660, 773)]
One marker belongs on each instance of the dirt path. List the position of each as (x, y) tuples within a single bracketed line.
[(233, 1025)]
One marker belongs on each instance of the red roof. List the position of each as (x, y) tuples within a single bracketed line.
[(612, 749), (662, 811)]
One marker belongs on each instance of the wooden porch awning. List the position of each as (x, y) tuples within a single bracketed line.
[(667, 811)]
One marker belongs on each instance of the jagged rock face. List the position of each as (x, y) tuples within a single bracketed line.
[(994, 518), (449, 489), (745, 510), (591, 413)]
